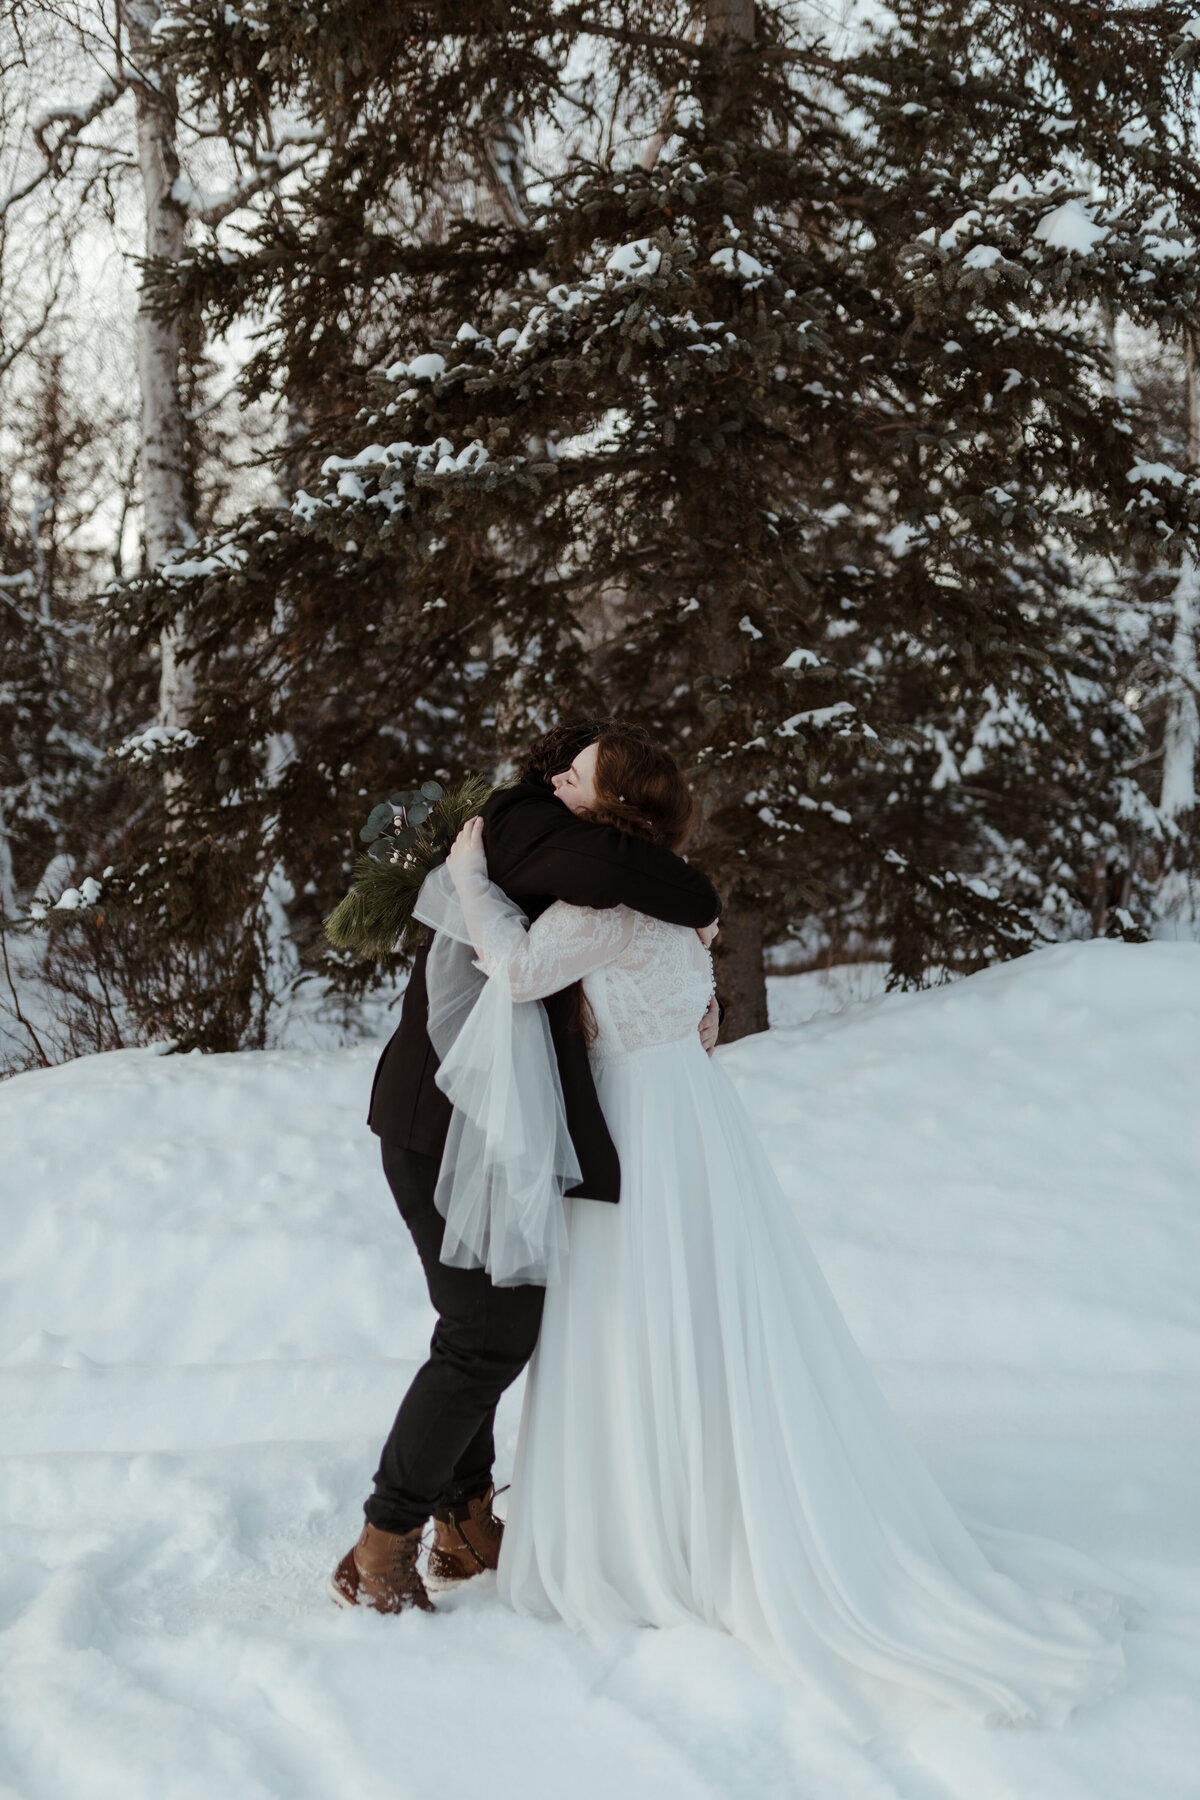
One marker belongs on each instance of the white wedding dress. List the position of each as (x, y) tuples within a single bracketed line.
[(701, 1437)]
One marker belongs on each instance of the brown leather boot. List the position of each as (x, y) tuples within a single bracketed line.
[(381, 1572), (466, 1541)]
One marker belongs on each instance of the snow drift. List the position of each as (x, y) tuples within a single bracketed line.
[(209, 1310)]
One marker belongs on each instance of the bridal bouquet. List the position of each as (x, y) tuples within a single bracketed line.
[(407, 835)]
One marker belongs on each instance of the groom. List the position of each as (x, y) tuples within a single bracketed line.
[(438, 1457)]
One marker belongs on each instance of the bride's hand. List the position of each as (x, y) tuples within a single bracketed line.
[(710, 1025), (707, 933), (466, 853)]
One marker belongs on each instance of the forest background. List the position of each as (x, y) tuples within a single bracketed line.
[(379, 383)]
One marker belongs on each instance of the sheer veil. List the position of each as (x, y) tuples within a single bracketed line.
[(509, 1158)]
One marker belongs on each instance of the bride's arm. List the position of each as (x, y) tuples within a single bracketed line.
[(567, 942)]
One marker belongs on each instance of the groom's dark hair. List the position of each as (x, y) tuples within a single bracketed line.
[(556, 750)]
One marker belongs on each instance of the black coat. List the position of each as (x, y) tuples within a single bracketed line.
[(539, 852)]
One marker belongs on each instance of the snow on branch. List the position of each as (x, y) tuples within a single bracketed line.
[(75, 120), (842, 710), (270, 170), (150, 746)]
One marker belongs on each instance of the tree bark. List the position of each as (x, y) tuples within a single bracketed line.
[(1181, 734), (727, 24), (503, 160), (167, 477), (741, 977), (8, 883), (731, 21)]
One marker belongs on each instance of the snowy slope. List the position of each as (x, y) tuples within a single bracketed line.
[(208, 1311)]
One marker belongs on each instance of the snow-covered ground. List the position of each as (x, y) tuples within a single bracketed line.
[(208, 1311)]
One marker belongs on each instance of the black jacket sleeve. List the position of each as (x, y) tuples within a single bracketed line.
[(536, 846)]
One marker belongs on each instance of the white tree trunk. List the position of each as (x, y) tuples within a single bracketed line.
[(1122, 387), (166, 477), (8, 885), (504, 172), (1181, 735)]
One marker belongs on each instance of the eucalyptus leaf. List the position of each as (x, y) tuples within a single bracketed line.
[(380, 820), (382, 849), (432, 790), (418, 812)]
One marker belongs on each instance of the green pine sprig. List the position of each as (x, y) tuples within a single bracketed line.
[(409, 835)]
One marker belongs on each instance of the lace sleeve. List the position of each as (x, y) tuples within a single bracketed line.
[(567, 942)]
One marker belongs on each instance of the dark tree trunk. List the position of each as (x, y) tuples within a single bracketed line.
[(729, 20), (741, 979)]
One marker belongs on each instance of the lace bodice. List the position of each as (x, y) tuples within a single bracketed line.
[(655, 992), (646, 982)]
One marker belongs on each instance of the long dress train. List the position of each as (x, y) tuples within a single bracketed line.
[(701, 1437)]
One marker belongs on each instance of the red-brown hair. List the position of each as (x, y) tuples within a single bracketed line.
[(640, 789)]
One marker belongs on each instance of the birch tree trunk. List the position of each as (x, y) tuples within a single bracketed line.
[(167, 477), (8, 884), (1181, 736)]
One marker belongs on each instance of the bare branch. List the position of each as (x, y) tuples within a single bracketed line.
[(10, 983), (9, 357), (77, 119)]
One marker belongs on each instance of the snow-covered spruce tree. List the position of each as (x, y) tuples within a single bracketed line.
[(27, 707), (1121, 88), (325, 676), (1164, 632), (54, 683), (1052, 161), (785, 428), (65, 805), (49, 450)]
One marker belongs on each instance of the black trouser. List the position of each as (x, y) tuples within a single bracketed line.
[(441, 1448)]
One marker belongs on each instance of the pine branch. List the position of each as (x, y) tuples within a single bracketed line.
[(375, 919), (212, 209)]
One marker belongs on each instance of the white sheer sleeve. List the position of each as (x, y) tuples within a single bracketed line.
[(566, 943), (509, 1158)]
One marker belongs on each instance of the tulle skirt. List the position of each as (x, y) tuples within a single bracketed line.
[(702, 1440)]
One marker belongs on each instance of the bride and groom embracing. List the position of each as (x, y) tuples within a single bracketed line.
[(701, 1438)]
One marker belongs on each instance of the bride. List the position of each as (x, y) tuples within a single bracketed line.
[(701, 1437)]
